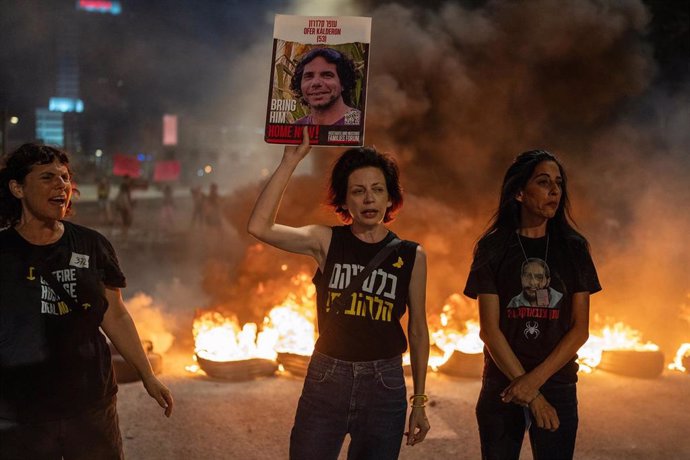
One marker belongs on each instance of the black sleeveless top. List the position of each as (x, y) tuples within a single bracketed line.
[(369, 327)]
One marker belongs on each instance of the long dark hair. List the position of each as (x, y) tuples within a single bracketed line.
[(506, 219), (16, 166), (363, 157)]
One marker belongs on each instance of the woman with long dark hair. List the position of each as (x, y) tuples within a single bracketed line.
[(532, 274)]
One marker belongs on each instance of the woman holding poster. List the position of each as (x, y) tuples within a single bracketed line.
[(319, 71), (366, 278)]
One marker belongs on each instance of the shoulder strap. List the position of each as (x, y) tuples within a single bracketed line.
[(58, 288), (357, 281)]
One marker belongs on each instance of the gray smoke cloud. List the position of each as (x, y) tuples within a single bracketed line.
[(455, 93)]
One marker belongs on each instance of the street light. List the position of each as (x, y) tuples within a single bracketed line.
[(6, 120)]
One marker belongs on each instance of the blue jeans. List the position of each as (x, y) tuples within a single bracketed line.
[(365, 399), (502, 425)]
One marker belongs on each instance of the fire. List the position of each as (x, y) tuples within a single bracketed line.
[(682, 353), (287, 328), (220, 338), (451, 335), (619, 336), (448, 340)]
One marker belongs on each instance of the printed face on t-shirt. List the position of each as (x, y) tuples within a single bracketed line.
[(534, 277)]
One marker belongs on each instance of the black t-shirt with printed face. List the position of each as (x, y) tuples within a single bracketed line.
[(54, 361), (370, 328), (535, 285)]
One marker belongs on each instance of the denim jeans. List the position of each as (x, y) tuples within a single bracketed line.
[(93, 434), (502, 425), (366, 400)]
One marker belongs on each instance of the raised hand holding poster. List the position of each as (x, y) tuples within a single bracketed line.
[(319, 73)]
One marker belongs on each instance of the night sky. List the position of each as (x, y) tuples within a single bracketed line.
[(175, 56)]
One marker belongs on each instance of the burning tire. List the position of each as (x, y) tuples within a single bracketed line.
[(295, 364), (631, 363), (237, 371), (464, 365)]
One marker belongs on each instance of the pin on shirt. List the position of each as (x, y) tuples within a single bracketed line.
[(542, 297)]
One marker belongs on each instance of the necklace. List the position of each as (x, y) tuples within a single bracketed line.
[(546, 253), (541, 292)]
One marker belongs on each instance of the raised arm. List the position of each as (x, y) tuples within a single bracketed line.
[(418, 333), (311, 240)]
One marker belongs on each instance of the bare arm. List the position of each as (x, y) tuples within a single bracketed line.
[(120, 329), (311, 240), (493, 338), (522, 389), (418, 333), (544, 413)]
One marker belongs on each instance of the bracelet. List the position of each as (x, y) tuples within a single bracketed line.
[(424, 398), (418, 406)]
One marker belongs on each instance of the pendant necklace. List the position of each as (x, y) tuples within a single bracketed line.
[(542, 294)]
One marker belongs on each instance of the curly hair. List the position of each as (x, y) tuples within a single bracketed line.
[(343, 65), (15, 166), (363, 157)]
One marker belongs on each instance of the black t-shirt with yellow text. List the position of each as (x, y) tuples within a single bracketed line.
[(54, 361)]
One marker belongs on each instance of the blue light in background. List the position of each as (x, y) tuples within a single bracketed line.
[(65, 104)]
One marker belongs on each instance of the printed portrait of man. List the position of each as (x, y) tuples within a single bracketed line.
[(324, 81), (536, 291)]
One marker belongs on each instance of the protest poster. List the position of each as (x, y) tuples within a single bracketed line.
[(319, 71)]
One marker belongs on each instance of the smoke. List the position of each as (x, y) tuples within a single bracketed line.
[(456, 92), (151, 321), (476, 87)]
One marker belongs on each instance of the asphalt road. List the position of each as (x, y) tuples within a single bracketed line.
[(620, 417)]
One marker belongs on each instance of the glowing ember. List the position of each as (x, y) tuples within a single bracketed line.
[(682, 353), (616, 337)]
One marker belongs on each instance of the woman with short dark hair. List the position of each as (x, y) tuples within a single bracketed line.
[(59, 284), (355, 383)]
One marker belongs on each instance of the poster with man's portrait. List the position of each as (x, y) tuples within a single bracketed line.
[(319, 74)]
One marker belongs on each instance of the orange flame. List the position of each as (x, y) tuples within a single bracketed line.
[(287, 328), (677, 364), (619, 336)]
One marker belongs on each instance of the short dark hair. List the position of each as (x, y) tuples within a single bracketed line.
[(343, 65), (362, 157), (15, 166)]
